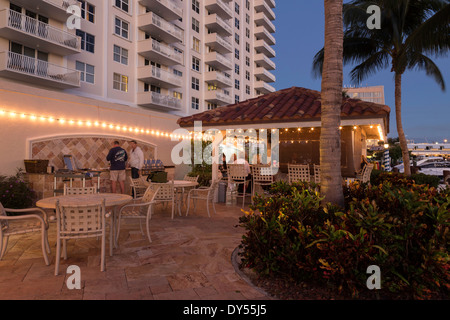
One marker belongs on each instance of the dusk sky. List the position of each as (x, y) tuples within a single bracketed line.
[(300, 34)]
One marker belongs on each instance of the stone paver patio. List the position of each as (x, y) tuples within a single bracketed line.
[(189, 259)]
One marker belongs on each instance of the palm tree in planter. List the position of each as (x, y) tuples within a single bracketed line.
[(411, 30), (332, 81)]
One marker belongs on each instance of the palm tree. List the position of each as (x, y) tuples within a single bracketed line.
[(411, 30), (332, 81)]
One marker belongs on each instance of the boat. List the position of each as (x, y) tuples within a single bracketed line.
[(435, 168), (420, 163)]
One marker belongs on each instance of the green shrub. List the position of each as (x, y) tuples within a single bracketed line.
[(15, 193), (397, 225)]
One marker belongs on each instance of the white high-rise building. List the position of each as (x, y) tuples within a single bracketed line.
[(373, 94), (180, 57)]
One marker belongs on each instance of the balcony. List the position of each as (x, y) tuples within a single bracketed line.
[(23, 68), (159, 77), (159, 52), (263, 61), (53, 9), (217, 25), (218, 79), (160, 28), (218, 97), (36, 34), (263, 87), (158, 101), (218, 61), (261, 20), (219, 7), (264, 75), (167, 9), (262, 47), (271, 3), (263, 6), (217, 43), (262, 33)]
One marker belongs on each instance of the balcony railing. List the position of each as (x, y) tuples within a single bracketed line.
[(157, 50), (42, 69), (168, 27), (148, 73), (216, 24), (167, 8), (159, 100), (42, 30)]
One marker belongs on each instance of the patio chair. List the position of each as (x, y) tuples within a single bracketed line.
[(80, 222), (262, 176), (237, 175), (203, 193), (81, 190), (141, 209), (23, 224), (316, 173), (166, 194), (365, 176), (138, 187), (299, 172)]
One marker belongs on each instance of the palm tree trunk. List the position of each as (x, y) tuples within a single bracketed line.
[(332, 81), (400, 131)]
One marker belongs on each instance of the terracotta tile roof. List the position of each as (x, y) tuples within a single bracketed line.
[(288, 105)]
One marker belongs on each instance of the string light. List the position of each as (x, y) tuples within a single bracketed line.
[(87, 123)]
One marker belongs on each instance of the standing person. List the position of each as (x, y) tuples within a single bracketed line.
[(136, 159), (118, 157)]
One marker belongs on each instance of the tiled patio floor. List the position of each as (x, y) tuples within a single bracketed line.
[(189, 259)]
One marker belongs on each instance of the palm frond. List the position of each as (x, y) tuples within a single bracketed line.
[(419, 61), (376, 62), (433, 35)]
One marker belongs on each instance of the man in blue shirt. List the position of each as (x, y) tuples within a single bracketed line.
[(118, 157)]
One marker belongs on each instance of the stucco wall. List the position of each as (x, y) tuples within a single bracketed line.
[(17, 132)]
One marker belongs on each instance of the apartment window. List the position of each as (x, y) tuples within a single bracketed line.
[(236, 53), (247, 61), (196, 6), (236, 68), (236, 8), (212, 106), (122, 4), (247, 47), (236, 99), (195, 84), (195, 103), (120, 55), (247, 33), (236, 23), (177, 73), (195, 64), (120, 82), (122, 28), (178, 95), (196, 44), (87, 11), (237, 84), (87, 41), (87, 72), (195, 25), (247, 4), (247, 18), (236, 38), (247, 89), (247, 75)]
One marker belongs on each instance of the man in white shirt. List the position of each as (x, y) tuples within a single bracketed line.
[(136, 161)]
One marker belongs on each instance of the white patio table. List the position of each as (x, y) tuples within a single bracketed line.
[(112, 200)]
